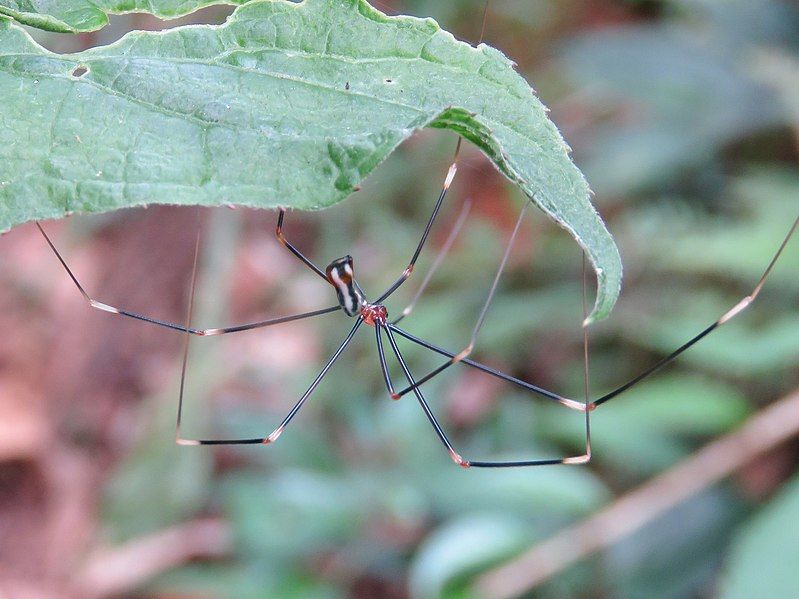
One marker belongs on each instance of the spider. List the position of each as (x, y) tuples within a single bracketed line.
[(354, 303)]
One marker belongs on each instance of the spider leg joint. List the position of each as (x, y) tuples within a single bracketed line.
[(456, 457), (274, 435)]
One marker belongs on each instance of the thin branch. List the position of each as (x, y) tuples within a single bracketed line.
[(762, 432), (119, 570)]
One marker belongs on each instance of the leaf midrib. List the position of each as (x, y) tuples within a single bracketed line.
[(207, 125), (112, 91)]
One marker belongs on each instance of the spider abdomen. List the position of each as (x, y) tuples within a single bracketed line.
[(341, 276)]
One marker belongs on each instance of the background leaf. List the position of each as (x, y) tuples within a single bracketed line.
[(463, 546), (764, 558), (654, 137), (286, 104)]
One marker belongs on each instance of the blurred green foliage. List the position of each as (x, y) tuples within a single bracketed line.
[(763, 556), (689, 139)]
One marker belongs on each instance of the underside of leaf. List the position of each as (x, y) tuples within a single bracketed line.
[(286, 104), (77, 16)]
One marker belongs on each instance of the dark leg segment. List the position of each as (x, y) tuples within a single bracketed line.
[(409, 269), (724, 319), (570, 403), (381, 354), (437, 262), (171, 325), (282, 239), (273, 436), (466, 351), (428, 412), (456, 457), (575, 405)]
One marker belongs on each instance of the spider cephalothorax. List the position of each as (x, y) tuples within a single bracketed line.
[(374, 314)]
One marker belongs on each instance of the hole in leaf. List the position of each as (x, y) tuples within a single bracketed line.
[(79, 71)]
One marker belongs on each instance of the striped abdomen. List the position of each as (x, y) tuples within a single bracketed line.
[(350, 296)]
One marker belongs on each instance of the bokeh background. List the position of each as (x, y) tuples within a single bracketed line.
[(684, 115)]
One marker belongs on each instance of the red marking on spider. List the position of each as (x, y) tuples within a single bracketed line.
[(374, 314)]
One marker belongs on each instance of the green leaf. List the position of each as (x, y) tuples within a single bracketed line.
[(462, 547), (659, 70), (764, 558), (76, 16), (284, 105), (298, 512)]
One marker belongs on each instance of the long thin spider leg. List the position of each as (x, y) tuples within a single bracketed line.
[(466, 351), (282, 239), (723, 319), (186, 342), (575, 405), (171, 325), (381, 354), (265, 323), (428, 412), (273, 436), (437, 262), (570, 403), (456, 457), (485, 20), (409, 269), (586, 457)]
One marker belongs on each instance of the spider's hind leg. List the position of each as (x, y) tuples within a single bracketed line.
[(443, 437)]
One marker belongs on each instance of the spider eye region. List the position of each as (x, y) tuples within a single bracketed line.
[(341, 276)]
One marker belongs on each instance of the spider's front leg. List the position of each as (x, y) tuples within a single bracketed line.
[(172, 325), (281, 237), (742, 305), (453, 169)]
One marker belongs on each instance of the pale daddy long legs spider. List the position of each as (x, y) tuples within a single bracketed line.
[(353, 302)]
